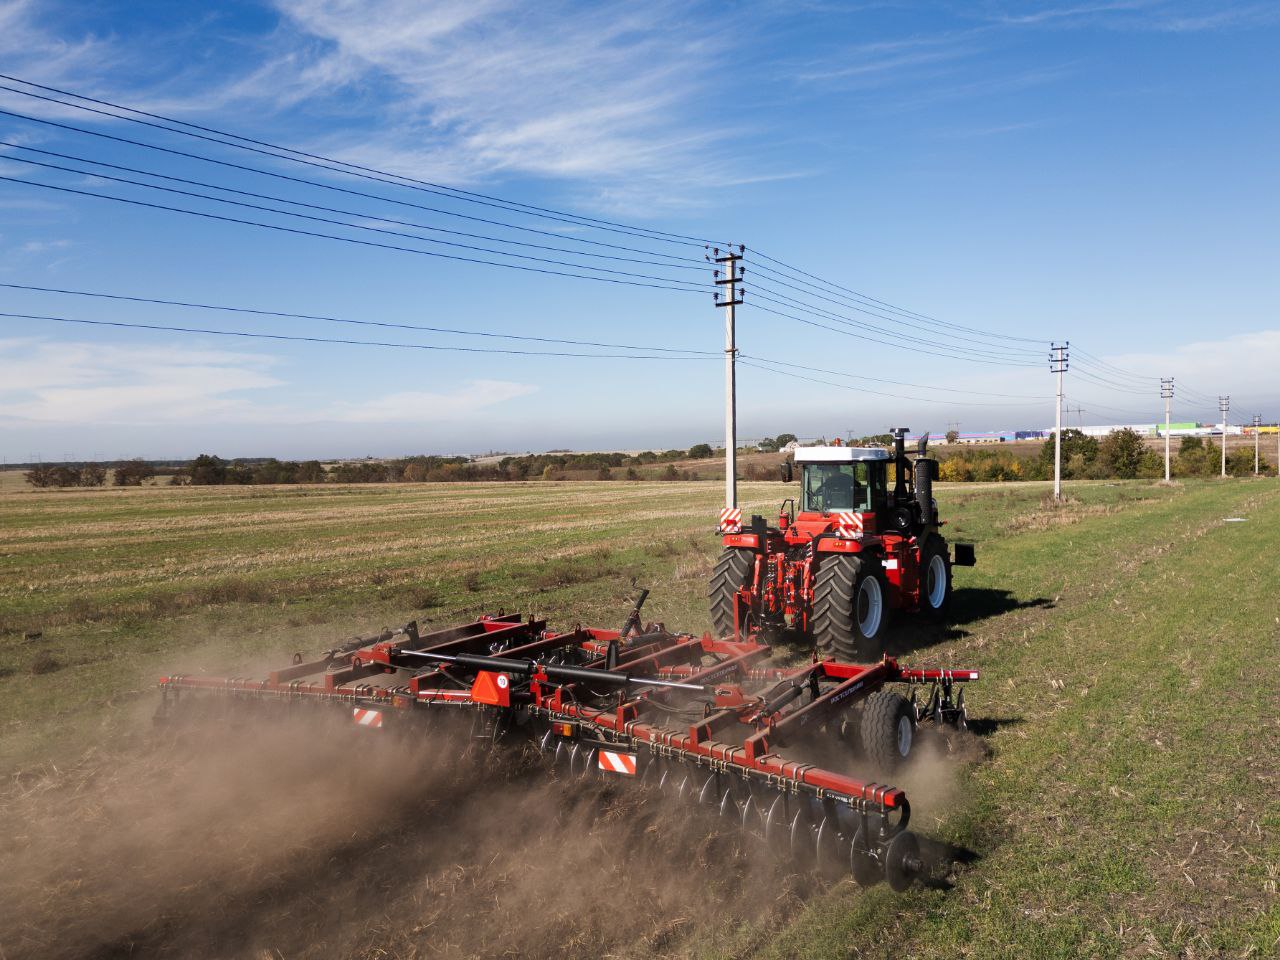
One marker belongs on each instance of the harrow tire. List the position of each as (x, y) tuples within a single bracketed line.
[(888, 729), (935, 578), (842, 596), (732, 572)]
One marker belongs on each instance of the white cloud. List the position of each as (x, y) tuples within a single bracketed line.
[(69, 382), (418, 406)]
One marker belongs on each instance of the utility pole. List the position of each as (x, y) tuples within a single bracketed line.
[(1166, 392), (1224, 404), (728, 276), (1058, 358), (1257, 430)]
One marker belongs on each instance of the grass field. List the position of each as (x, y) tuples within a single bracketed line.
[(1129, 640)]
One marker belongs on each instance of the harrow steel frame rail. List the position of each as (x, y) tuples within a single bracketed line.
[(666, 708)]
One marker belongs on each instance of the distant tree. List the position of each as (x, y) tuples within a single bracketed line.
[(92, 475), (311, 471), (1120, 453), (767, 445), (40, 476), (415, 472), (953, 436), (207, 470), (1074, 443), (131, 473), (604, 474), (633, 473), (783, 439), (700, 451), (671, 473)]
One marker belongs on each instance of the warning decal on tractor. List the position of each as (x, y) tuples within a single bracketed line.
[(731, 520), (366, 718), (617, 762), (848, 523)]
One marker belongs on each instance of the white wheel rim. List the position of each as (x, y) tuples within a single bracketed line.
[(937, 576), (870, 606), (905, 734)]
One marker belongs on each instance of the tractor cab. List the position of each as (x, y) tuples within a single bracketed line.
[(838, 481)]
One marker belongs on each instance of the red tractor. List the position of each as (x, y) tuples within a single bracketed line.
[(857, 551)]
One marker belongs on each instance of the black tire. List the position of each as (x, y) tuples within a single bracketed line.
[(838, 591), (888, 730), (935, 565), (732, 572)]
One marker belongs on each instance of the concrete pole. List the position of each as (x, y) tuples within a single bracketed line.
[(1058, 364), (1224, 404), (1166, 391), (1257, 429), (727, 279)]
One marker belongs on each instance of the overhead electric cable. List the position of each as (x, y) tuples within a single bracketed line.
[(349, 213), (337, 189), (155, 301), (845, 386), (897, 383), (329, 236), (348, 169), (912, 347), (257, 335), (703, 286), (883, 303)]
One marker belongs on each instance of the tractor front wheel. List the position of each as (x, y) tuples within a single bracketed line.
[(732, 572), (850, 607)]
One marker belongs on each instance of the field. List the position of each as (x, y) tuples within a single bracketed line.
[(1120, 799)]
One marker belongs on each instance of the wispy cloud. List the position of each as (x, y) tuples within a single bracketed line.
[(424, 406)]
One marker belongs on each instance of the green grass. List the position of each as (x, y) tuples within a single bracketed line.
[(1129, 642)]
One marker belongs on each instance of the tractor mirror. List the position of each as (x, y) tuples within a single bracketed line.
[(787, 474), (924, 445)]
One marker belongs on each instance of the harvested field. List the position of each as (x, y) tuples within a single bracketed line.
[(1118, 795)]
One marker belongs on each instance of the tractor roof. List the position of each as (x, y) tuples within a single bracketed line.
[(840, 454)]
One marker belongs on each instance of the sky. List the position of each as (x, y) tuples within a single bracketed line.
[(929, 195)]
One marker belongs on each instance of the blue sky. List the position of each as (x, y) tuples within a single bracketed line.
[(1101, 172)]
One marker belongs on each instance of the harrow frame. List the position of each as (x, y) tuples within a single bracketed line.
[(626, 703)]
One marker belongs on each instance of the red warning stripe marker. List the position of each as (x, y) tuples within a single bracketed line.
[(612, 762), (366, 718)]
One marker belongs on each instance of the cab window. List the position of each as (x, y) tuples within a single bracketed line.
[(836, 486)]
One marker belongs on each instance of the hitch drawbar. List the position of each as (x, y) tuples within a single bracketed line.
[(712, 721)]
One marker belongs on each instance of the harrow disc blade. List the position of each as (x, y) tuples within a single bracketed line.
[(589, 764), (544, 744), (776, 834), (750, 814), (574, 753), (866, 871), (708, 792), (727, 806), (902, 861), (830, 849), (803, 850)]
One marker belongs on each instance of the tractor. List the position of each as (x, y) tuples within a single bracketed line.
[(863, 547)]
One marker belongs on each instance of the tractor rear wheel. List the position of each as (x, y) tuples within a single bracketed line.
[(888, 729), (850, 607), (935, 578), (732, 572)]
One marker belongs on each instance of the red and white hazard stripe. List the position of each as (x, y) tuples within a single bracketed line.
[(849, 524), (612, 762), (366, 718), (731, 519)]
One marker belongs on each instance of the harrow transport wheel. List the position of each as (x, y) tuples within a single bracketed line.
[(732, 573), (888, 729), (935, 578), (850, 607)]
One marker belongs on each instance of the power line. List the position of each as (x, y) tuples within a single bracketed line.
[(168, 328), (349, 213), (761, 363), (894, 319), (333, 187), (783, 300), (900, 345), (898, 383), (329, 236), (350, 226), (155, 301), (355, 170), (886, 304)]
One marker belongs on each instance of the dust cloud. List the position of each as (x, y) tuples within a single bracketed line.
[(262, 838)]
